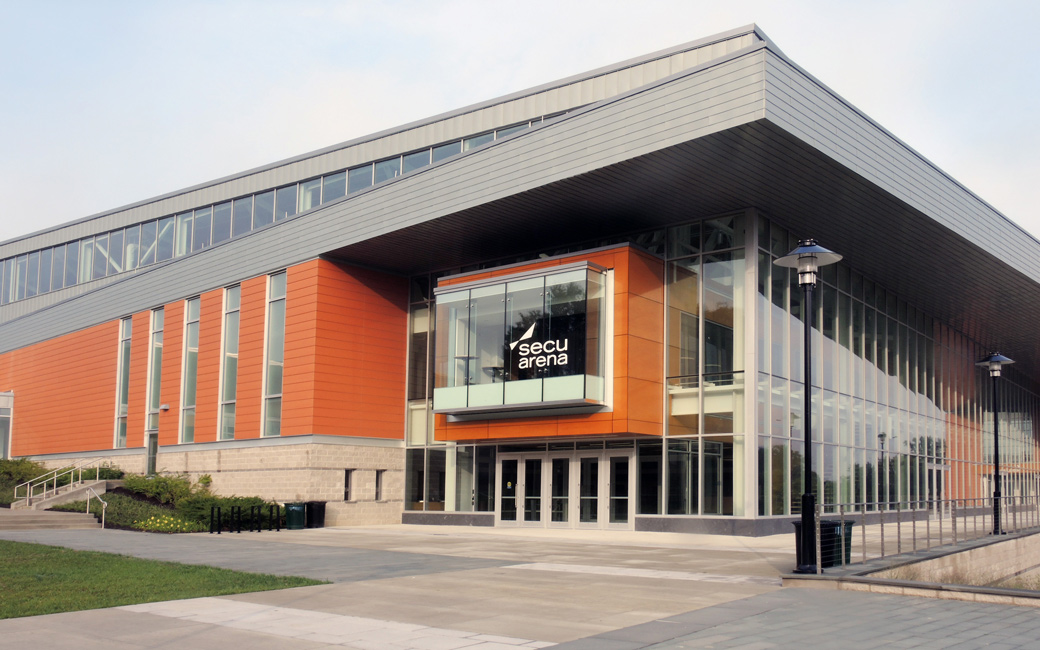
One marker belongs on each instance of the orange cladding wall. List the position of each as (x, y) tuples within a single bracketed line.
[(345, 359), (64, 392), (638, 399), (345, 354)]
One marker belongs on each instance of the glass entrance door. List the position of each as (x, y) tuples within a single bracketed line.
[(507, 471), (588, 487), (583, 489), (560, 490), (618, 489), (522, 489)]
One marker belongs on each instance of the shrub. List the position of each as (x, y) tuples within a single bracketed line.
[(167, 523), (199, 506), (123, 511), (20, 470), (167, 489)]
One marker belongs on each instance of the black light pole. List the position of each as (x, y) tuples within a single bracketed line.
[(994, 362), (808, 257)]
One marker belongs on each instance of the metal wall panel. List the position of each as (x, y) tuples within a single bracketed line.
[(680, 109), (521, 106), (805, 108)]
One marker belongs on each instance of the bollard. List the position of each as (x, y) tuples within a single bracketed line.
[(274, 514)]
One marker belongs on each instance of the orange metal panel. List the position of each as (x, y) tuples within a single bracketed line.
[(207, 397), (172, 369), (65, 392), (249, 391)]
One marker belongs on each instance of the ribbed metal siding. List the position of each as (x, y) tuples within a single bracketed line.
[(695, 104), (566, 97), (810, 112)]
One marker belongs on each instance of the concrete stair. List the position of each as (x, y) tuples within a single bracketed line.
[(45, 519)]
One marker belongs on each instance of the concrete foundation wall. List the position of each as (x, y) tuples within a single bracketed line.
[(988, 563), (308, 471)]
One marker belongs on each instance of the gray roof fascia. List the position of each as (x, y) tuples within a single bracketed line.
[(352, 218), (628, 63), (851, 107)]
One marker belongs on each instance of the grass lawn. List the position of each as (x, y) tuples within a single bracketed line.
[(38, 579)]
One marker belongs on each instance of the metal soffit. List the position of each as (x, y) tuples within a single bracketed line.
[(756, 165)]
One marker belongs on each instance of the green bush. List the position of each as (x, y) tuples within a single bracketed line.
[(20, 470), (123, 511), (198, 507), (16, 472), (167, 489), (168, 523)]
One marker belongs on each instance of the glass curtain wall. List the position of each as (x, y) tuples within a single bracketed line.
[(705, 368), (901, 415)]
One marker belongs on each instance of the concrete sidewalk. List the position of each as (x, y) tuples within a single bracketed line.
[(431, 588)]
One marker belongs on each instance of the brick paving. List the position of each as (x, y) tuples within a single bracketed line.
[(430, 588)]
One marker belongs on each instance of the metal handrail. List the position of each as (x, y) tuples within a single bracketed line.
[(49, 481), (104, 504), (917, 525)]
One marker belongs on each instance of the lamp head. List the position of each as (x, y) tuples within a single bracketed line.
[(994, 362), (808, 257)]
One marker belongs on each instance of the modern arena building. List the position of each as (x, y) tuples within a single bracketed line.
[(557, 308)]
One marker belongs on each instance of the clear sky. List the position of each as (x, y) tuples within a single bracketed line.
[(109, 102)]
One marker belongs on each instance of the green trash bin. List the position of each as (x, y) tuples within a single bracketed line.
[(294, 516)]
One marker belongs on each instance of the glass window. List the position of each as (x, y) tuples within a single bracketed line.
[(476, 141), (310, 194), (190, 374), (165, 241), (71, 264), (123, 381), (242, 221), (86, 259), (202, 230), (720, 234), (100, 256), (414, 161), (263, 209), (45, 270), (115, 252), (446, 150), (32, 274), (18, 288), (510, 130), (285, 202), (221, 222), (155, 359), (131, 247), (182, 236), (684, 240), (148, 232), (333, 187), (387, 169), (229, 369), (274, 355), (57, 268), (359, 178), (520, 342)]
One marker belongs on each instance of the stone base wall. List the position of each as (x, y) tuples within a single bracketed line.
[(311, 471), (990, 562)]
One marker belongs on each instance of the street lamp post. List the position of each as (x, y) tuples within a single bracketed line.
[(808, 257), (994, 362)]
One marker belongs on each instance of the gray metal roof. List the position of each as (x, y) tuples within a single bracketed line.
[(749, 129)]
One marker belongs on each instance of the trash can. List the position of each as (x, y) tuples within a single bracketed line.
[(294, 516), (831, 535), (830, 542), (315, 514)]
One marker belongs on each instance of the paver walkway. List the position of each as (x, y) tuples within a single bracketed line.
[(432, 588)]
